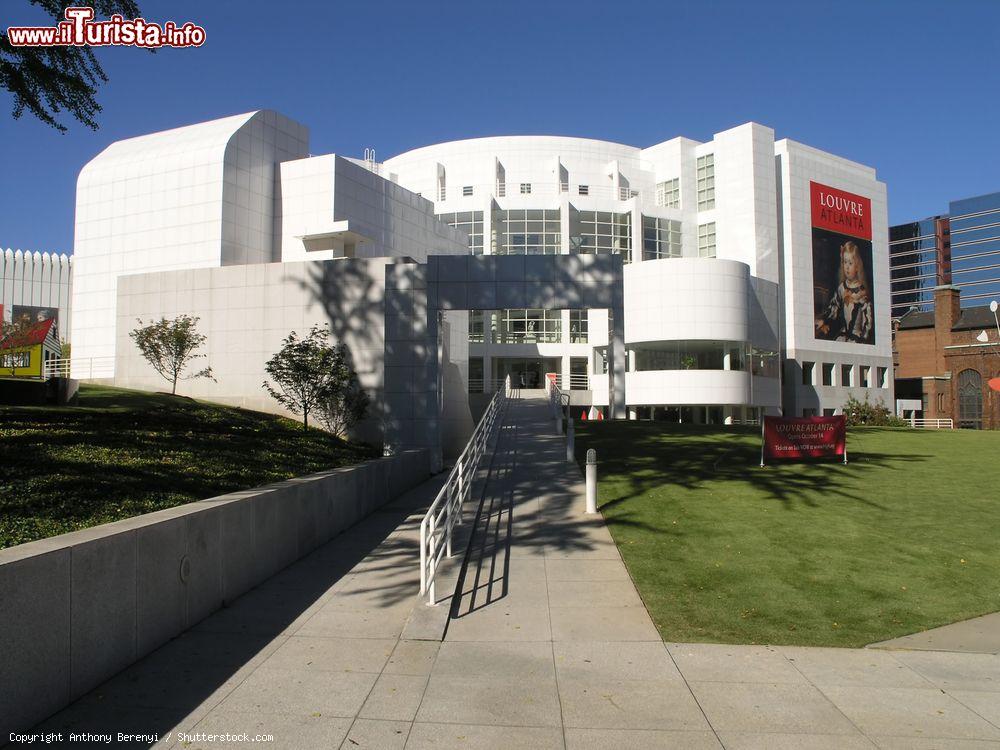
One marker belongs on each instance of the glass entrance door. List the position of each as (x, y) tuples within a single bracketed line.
[(525, 372)]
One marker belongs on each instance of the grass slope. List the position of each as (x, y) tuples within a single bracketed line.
[(903, 538), (121, 453)]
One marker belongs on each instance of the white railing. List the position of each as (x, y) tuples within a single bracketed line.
[(558, 400), (446, 510), (932, 424), (577, 382), (82, 368)]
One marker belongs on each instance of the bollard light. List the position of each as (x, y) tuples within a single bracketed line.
[(591, 481)]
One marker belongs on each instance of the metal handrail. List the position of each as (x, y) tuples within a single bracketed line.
[(446, 510), (557, 398)]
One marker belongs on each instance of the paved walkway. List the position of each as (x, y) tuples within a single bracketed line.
[(547, 646)]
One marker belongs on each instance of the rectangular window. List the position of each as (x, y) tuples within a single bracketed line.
[(828, 373), (470, 222), (602, 233), (476, 380), (847, 376), (668, 193), (584, 189), (866, 376), (807, 373), (578, 326), (529, 327), (829, 412), (467, 190), (501, 189), (883, 377), (940, 403), (808, 412), (578, 380), (706, 240), (476, 326), (661, 238), (601, 361), (706, 182), (525, 188), (528, 232)]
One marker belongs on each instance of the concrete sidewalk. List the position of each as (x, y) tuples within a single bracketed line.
[(547, 646)]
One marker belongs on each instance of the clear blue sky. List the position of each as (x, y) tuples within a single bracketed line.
[(909, 87)]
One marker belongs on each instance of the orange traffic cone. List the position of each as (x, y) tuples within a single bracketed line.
[(583, 415), (600, 415)]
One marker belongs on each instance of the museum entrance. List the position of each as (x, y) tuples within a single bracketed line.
[(525, 372)]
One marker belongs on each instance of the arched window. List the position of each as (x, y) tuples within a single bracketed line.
[(970, 399)]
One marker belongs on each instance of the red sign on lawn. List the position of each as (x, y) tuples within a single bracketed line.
[(806, 437)]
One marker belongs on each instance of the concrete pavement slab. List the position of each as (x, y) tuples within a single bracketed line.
[(412, 657), (495, 700), (709, 662), (910, 712), (426, 736), (602, 624), (301, 693), (395, 697), (288, 732), (332, 654), (784, 741), (595, 702), (979, 635), (614, 661), (955, 671), (374, 734), (640, 739), (846, 667), (760, 707)]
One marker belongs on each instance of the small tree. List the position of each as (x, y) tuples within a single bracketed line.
[(347, 403), (315, 377), (169, 346)]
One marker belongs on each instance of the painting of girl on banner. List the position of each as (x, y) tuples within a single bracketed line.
[(848, 313)]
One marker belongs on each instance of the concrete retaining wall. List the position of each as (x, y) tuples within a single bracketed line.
[(78, 608)]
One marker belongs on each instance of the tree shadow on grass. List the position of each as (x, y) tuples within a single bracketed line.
[(649, 456)]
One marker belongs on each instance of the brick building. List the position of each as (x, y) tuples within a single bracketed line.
[(944, 358)]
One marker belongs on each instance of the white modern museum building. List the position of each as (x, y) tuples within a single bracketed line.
[(687, 281)]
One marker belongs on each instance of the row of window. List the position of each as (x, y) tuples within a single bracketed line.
[(668, 192), (623, 194), (538, 232), (527, 326), (695, 355), (850, 376)]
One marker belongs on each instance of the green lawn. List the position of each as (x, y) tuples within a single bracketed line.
[(905, 537), (120, 453)]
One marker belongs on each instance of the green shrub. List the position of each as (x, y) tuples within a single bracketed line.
[(872, 415)]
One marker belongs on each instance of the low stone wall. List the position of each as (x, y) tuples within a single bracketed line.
[(77, 608)]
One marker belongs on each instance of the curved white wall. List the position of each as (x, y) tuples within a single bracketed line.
[(687, 299)]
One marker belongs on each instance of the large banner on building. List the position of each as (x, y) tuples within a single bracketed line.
[(805, 437), (843, 296)]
